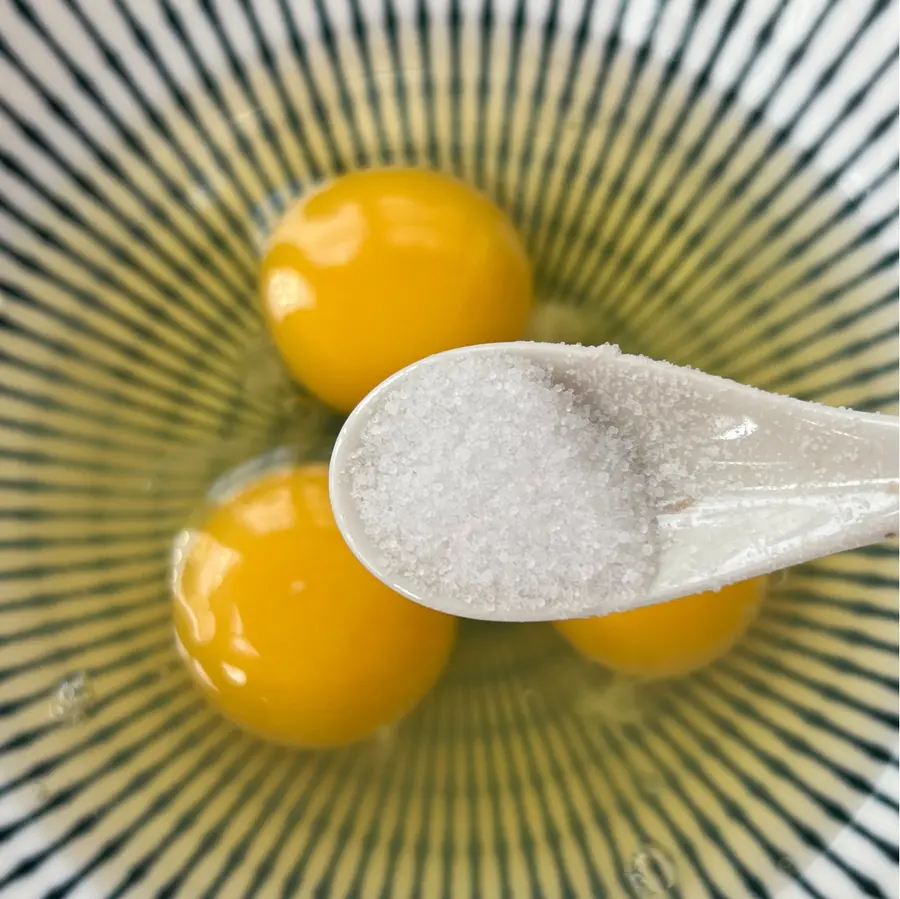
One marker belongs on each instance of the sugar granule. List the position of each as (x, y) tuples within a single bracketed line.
[(484, 482)]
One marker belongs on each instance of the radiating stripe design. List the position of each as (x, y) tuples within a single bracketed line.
[(708, 181)]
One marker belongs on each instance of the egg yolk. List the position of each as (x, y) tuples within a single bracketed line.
[(670, 639), (382, 267), (287, 633)]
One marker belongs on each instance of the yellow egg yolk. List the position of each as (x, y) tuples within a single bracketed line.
[(382, 267), (287, 633), (669, 639)]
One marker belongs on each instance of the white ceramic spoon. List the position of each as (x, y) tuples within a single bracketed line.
[(767, 481)]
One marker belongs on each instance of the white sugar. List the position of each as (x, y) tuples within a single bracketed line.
[(486, 483)]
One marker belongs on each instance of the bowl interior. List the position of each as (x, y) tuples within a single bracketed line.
[(713, 183)]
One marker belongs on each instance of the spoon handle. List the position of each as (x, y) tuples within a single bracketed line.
[(833, 488), (870, 489)]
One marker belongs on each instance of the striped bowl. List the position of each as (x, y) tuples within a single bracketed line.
[(709, 181)]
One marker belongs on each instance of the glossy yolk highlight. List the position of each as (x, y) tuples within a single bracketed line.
[(381, 268), (669, 639), (284, 629)]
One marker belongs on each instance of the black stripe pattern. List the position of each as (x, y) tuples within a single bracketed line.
[(709, 181)]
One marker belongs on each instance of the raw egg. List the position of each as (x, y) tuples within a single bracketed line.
[(382, 267), (287, 633), (669, 639)]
